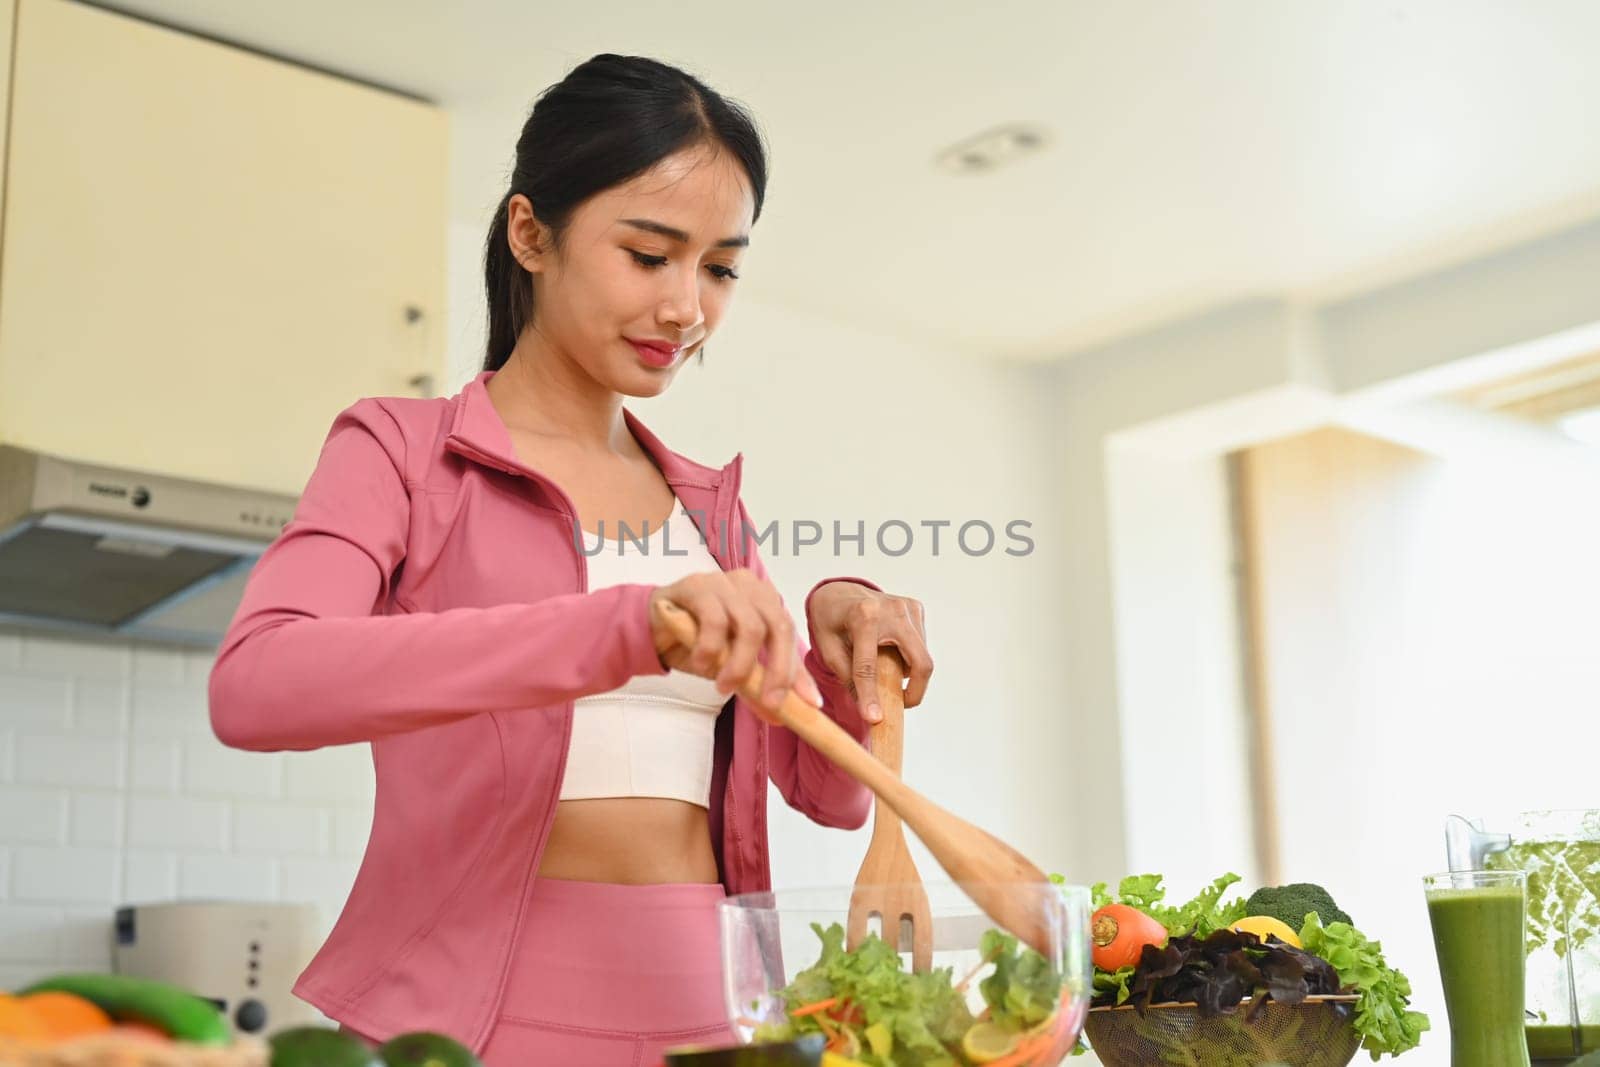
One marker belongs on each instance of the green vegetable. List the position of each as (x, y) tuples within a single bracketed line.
[(1023, 989), (1292, 903), (903, 1019), (319, 1046), (924, 1015), (171, 1008), (1203, 915), (423, 1048), (1382, 1017), (1116, 982)]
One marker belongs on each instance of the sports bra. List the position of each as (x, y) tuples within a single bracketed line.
[(654, 735)]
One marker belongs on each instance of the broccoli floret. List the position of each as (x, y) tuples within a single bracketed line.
[(1292, 903)]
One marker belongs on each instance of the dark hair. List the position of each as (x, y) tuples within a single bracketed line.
[(611, 118)]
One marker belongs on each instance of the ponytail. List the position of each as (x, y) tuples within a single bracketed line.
[(509, 288)]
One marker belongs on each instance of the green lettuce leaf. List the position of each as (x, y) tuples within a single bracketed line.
[(1382, 1013), (1023, 989)]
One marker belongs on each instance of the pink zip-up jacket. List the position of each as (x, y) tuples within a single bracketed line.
[(430, 598)]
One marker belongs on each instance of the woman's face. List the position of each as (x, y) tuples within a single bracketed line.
[(652, 260)]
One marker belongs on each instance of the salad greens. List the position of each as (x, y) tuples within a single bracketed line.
[(1383, 1018), (1203, 915), (1024, 988), (886, 1016)]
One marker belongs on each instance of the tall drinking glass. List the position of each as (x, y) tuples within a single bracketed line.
[(1479, 920)]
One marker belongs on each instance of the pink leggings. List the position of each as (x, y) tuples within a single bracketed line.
[(610, 975)]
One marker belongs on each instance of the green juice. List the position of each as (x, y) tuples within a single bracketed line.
[(1478, 936), (1555, 1042)]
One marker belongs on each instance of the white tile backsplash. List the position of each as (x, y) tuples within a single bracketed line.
[(339, 774), (29, 932), (33, 816), (351, 828), (228, 877), (149, 876), (160, 666), (96, 819), (178, 823), (99, 707), (85, 939), (71, 658), (113, 790), (170, 711), (210, 768), (153, 766), (278, 829), (64, 874), (67, 759), (329, 879), (28, 702)]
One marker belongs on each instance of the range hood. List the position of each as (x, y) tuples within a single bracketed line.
[(126, 554)]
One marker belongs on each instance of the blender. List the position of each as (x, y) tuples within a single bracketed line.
[(1560, 853)]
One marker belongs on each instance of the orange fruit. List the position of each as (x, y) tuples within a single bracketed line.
[(19, 1020), (66, 1014)]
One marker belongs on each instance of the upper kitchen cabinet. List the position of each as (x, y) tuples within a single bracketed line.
[(208, 252), (8, 21)]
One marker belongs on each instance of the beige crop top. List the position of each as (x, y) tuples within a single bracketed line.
[(653, 736)]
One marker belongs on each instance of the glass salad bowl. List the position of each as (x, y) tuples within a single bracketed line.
[(987, 999)]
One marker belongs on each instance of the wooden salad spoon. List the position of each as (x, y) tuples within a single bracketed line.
[(888, 884), (997, 877)]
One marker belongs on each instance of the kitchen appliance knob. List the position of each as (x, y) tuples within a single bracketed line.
[(251, 1016)]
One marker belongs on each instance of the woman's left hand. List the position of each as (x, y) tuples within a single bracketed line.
[(851, 621)]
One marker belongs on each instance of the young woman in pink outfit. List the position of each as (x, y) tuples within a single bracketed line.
[(562, 793)]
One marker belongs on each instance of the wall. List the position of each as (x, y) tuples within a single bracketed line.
[(113, 790)]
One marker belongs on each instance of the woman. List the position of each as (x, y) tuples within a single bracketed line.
[(563, 794)]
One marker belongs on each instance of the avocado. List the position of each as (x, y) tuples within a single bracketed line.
[(425, 1049), (319, 1046), (801, 1052)]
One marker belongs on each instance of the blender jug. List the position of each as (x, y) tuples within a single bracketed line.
[(1560, 852)]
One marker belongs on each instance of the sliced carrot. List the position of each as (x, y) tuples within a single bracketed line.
[(813, 1008)]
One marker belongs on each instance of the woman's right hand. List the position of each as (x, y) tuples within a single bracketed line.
[(738, 615)]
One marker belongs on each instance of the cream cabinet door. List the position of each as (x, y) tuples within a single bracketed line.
[(8, 18), (208, 253)]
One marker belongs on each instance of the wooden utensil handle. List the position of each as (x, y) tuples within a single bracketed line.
[(887, 736)]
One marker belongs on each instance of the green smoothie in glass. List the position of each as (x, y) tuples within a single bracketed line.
[(1478, 922)]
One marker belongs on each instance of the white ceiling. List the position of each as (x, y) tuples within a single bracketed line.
[(1201, 152)]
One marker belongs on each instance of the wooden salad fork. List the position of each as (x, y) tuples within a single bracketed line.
[(888, 884), (997, 877)]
